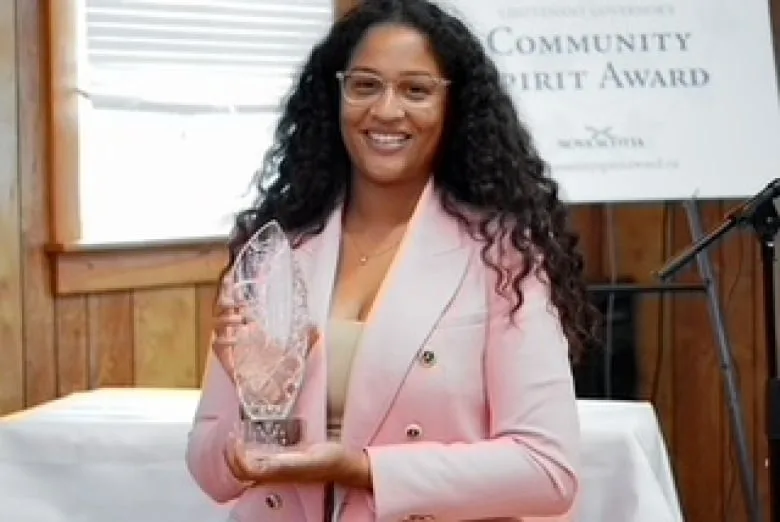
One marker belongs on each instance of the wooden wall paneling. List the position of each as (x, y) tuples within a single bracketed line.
[(759, 379), (165, 324), (586, 221), (72, 345), (641, 248), (39, 324), (90, 270), (65, 106), (661, 384), (739, 255), (698, 400), (11, 320), (206, 295), (111, 339), (755, 377)]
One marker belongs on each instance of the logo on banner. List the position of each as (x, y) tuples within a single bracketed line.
[(601, 138)]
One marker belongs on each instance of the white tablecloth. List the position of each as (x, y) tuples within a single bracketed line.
[(118, 456)]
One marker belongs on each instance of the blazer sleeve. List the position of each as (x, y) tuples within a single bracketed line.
[(216, 416), (528, 465)]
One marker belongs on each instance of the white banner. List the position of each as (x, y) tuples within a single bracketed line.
[(632, 100)]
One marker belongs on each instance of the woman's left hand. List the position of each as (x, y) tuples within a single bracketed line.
[(321, 463)]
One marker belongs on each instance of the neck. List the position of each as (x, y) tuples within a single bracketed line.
[(381, 207)]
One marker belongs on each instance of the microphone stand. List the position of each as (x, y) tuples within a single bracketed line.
[(759, 213)]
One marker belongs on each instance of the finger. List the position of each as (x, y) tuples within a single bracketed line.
[(226, 307), (226, 326), (240, 460), (285, 467), (227, 287), (225, 300), (230, 462), (230, 319), (223, 342), (313, 338)]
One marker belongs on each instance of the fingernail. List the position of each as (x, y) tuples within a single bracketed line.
[(264, 465)]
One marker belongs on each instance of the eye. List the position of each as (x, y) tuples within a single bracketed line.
[(417, 89), (363, 85)]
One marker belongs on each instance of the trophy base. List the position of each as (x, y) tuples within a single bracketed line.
[(272, 436)]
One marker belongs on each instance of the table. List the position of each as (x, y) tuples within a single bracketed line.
[(118, 455), (626, 474)]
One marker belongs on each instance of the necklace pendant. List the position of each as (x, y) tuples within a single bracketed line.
[(363, 260)]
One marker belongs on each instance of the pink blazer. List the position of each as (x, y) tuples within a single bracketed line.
[(464, 415)]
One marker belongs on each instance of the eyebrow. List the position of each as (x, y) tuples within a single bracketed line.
[(403, 73)]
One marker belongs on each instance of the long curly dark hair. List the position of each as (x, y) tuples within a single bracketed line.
[(487, 161)]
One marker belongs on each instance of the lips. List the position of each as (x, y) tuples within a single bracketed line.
[(387, 142)]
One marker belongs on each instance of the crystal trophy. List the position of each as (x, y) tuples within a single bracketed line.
[(269, 353)]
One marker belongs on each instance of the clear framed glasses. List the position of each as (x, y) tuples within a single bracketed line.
[(415, 91)]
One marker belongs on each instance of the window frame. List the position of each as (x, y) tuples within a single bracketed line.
[(79, 268)]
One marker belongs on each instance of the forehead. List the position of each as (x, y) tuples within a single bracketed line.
[(392, 50)]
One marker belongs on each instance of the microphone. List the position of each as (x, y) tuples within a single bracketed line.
[(748, 209)]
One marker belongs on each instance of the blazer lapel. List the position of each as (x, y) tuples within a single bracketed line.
[(322, 273), (318, 258), (421, 282)]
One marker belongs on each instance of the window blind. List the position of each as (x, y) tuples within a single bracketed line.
[(218, 53), (184, 98)]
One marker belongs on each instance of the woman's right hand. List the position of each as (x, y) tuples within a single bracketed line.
[(228, 318)]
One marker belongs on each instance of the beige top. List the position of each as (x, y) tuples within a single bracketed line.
[(343, 340)]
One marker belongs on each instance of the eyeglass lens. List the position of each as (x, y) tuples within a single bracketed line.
[(414, 90)]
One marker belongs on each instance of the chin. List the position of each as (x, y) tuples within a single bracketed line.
[(385, 178), (386, 174)]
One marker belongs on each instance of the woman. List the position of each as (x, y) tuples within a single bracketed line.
[(445, 288)]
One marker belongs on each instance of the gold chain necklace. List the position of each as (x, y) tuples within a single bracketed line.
[(363, 256)]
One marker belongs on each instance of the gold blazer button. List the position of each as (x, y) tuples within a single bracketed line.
[(413, 431), (428, 358), (273, 501)]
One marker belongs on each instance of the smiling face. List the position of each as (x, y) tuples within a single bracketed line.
[(393, 106)]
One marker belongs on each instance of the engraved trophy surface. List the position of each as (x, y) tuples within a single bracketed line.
[(269, 353)]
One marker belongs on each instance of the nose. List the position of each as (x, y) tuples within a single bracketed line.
[(388, 106)]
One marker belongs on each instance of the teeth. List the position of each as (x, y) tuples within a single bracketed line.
[(387, 138)]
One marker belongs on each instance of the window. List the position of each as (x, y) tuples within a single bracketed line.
[(177, 100)]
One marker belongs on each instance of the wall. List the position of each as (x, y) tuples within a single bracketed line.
[(157, 336)]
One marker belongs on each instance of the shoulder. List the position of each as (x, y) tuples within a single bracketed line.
[(501, 248), (511, 268)]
